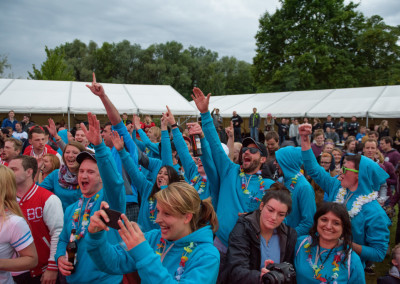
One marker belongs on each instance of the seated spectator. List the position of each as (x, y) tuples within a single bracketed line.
[(47, 165), (394, 272), (181, 251), (318, 144), (328, 146), (361, 134), (350, 146), (331, 134), (260, 237), (374, 135), (10, 121), (19, 133)]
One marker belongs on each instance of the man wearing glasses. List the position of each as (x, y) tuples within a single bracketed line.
[(356, 187)]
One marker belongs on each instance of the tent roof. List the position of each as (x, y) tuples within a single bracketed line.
[(379, 102), (40, 96)]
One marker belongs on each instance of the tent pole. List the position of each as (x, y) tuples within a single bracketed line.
[(69, 120)]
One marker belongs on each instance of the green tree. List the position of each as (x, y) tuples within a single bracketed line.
[(4, 65), (54, 68)]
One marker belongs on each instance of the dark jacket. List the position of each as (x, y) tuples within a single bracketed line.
[(243, 259)]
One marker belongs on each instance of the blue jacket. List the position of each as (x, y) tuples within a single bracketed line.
[(8, 123), (201, 266), (305, 273), (232, 199), (152, 148), (113, 192), (67, 196), (370, 225), (190, 166), (303, 197)]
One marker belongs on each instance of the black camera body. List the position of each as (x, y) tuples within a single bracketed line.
[(280, 273)]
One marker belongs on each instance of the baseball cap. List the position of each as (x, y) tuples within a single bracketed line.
[(248, 140), (85, 155)]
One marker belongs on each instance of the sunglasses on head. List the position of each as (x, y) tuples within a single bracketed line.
[(251, 149), (344, 170)]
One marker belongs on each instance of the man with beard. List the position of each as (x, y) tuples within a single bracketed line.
[(288, 163), (242, 187)]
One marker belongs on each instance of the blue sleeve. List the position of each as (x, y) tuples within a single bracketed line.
[(113, 184), (63, 238), (166, 150), (377, 234), (111, 259), (200, 268), (211, 171), (221, 160), (152, 146), (357, 274), (137, 178), (187, 161), (4, 123), (318, 174), (307, 210), (130, 145), (138, 143), (48, 182)]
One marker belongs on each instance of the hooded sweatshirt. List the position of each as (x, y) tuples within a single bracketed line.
[(305, 272), (370, 224), (303, 197), (200, 265)]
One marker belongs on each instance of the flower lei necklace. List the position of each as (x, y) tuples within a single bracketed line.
[(152, 210), (203, 181), (358, 203), (245, 183), (85, 218), (294, 180), (184, 258), (317, 275)]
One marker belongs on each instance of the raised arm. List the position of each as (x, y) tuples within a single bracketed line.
[(231, 141), (166, 150)]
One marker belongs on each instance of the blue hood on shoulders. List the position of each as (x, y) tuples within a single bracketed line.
[(290, 160), (370, 176)]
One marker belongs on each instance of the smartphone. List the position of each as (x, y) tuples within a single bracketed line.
[(114, 216)]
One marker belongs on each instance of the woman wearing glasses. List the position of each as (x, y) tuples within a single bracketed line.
[(356, 187)]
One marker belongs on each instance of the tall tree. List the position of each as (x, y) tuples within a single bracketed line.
[(4, 65), (54, 68)]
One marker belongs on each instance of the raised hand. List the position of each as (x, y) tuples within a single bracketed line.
[(229, 130), (164, 122), (117, 141), (93, 134), (52, 127), (130, 233), (194, 128), (136, 122), (96, 224), (96, 88), (200, 100), (305, 129), (170, 117)]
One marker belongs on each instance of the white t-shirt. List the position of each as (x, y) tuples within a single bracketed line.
[(15, 235)]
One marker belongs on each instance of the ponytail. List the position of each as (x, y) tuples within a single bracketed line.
[(207, 216)]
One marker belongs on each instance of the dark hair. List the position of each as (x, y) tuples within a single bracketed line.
[(352, 158), (35, 129), (28, 162), (373, 132), (387, 139), (341, 212), (172, 176), (272, 135), (278, 192)]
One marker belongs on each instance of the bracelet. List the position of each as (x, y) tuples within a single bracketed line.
[(174, 125)]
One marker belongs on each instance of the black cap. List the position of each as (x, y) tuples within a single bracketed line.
[(260, 146), (85, 155)]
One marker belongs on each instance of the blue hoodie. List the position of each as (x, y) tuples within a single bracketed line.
[(303, 197), (113, 192), (305, 273), (232, 199), (190, 166), (201, 266), (370, 225), (152, 148)]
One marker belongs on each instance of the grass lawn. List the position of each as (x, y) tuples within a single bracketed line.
[(382, 268)]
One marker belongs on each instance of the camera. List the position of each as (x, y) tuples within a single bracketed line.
[(280, 273)]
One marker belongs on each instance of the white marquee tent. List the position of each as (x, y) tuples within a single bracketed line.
[(373, 102)]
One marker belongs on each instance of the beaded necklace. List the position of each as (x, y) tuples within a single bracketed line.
[(85, 218), (317, 275), (202, 185), (184, 258), (152, 210), (246, 183)]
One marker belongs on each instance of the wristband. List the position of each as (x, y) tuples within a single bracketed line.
[(174, 125)]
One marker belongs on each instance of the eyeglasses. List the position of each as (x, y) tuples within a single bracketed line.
[(344, 170), (251, 149), (325, 163)]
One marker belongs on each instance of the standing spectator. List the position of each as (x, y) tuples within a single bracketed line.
[(125, 119), (237, 130), (294, 131), (12, 148), (43, 211), (10, 121), (283, 130), (269, 123), (396, 140), (391, 155), (305, 120), (38, 146), (352, 127), (217, 118), (383, 129), (317, 124), (254, 123), (19, 133), (329, 123), (318, 144), (147, 123), (341, 127), (27, 123)]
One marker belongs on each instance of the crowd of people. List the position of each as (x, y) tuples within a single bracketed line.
[(139, 203)]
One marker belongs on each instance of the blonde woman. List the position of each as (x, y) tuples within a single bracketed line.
[(15, 235), (181, 250)]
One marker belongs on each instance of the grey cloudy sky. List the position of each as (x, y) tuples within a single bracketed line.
[(225, 26)]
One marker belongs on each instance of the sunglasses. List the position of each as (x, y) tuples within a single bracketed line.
[(344, 170), (251, 149)]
